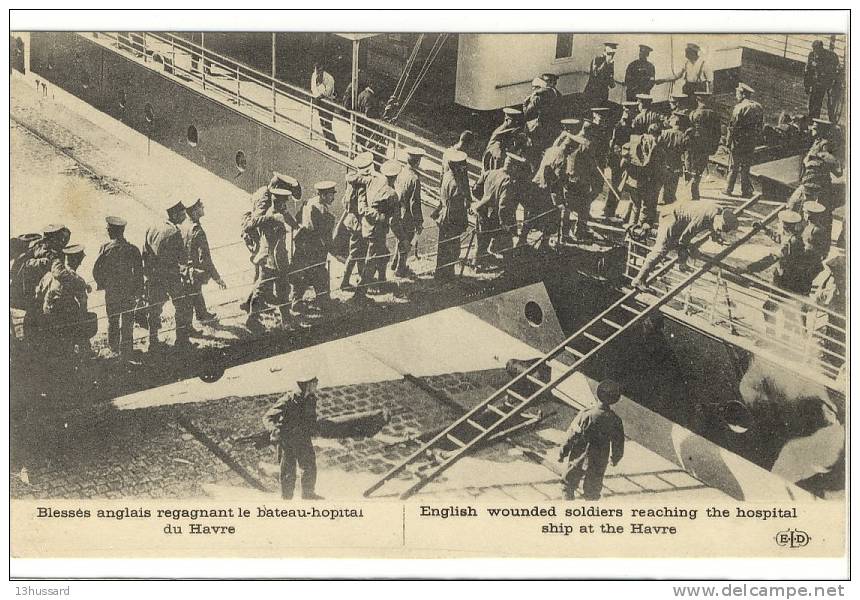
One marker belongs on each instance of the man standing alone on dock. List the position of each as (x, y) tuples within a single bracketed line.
[(594, 438), (744, 134)]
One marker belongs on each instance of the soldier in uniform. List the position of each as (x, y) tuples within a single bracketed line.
[(495, 208), (464, 143), (32, 267), (601, 76), (595, 438), (581, 181), (165, 262), (647, 116), (62, 294), (409, 218), (677, 101), (200, 266), (818, 224), (118, 271), (312, 241), (704, 139), (549, 181), (354, 197), (455, 197), (538, 112), (641, 163), (292, 421), (508, 137), (744, 134), (366, 133), (817, 167), (268, 224), (797, 265), (620, 136), (672, 144), (678, 228), (820, 75), (640, 75), (377, 210)]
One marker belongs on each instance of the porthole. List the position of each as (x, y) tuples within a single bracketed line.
[(191, 135), (241, 161), (148, 113), (123, 99), (533, 313)]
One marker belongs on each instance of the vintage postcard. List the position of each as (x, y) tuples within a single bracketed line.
[(395, 294)]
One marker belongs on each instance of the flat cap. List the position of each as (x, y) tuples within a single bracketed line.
[(52, 228), (678, 96), (175, 208), (73, 249), (538, 82), (742, 87), (454, 156), (813, 208), (822, 122), (610, 46), (549, 77), (608, 392), (284, 185), (570, 122), (325, 186), (29, 238), (600, 110), (646, 48), (629, 104), (789, 217), (512, 112), (415, 151), (390, 168), (692, 46), (363, 160), (644, 97), (116, 221)]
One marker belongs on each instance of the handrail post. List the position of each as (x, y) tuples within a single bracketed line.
[(203, 58), (143, 37), (238, 87)]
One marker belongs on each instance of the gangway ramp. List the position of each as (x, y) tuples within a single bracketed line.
[(494, 414)]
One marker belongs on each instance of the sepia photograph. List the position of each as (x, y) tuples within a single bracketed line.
[(406, 283)]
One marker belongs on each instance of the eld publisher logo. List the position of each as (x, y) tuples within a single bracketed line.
[(792, 538)]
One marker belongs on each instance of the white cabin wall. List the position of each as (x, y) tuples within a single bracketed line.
[(495, 70)]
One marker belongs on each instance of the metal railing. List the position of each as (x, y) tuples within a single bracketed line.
[(737, 305), (276, 103), (794, 46)]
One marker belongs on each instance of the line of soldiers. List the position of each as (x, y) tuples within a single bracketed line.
[(174, 265)]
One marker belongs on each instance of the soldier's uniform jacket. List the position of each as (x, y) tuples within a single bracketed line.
[(367, 103), (820, 238), (376, 208), (164, 255), (816, 169), (118, 269), (595, 435), (601, 77), (672, 144), (498, 203), (599, 136), (199, 256), (639, 78), (505, 138), (745, 126), (536, 102), (646, 118), (550, 175), (314, 236), (821, 70), (39, 260), (454, 198), (796, 266), (271, 250), (580, 169), (408, 188), (620, 135), (706, 131), (62, 293), (684, 222), (294, 415)]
